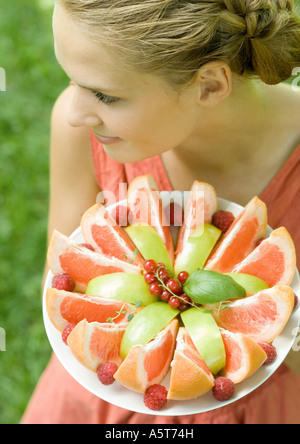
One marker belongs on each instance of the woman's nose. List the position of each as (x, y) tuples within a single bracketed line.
[(82, 111)]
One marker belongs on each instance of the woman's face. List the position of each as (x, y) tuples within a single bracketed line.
[(134, 115)]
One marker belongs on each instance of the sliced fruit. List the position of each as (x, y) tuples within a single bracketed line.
[(149, 243), (206, 336), (273, 261), (94, 343), (202, 203), (197, 248), (243, 356), (126, 287), (262, 316), (82, 264), (148, 364), (251, 284), (190, 376), (101, 230), (240, 240), (146, 325), (66, 308), (145, 205)]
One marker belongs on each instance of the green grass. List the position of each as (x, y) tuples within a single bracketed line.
[(34, 80)]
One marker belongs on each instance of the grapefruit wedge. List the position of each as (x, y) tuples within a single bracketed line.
[(202, 203), (95, 343), (145, 205), (190, 376), (243, 356), (262, 316), (101, 230), (66, 308), (82, 264), (240, 240), (148, 364), (273, 261)]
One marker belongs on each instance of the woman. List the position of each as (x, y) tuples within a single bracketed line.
[(182, 90)]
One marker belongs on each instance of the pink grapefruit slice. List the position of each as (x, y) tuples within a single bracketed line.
[(262, 316), (148, 364), (101, 230), (82, 264), (94, 343), (202, 203), (240, 240), (190, 376), (66, 308), (273, 261), (243, 356), (145, 205)]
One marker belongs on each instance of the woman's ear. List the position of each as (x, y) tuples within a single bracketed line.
[(214, 82)]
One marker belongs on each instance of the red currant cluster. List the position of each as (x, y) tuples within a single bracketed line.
[(167, 287)]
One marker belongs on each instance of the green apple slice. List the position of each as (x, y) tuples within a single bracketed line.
[(149, 243), (207, 338), (146, 325), (251, 284), (127, 287), (197, 249)]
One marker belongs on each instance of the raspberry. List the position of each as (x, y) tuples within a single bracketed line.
[(122, 214), (270, 350), (155, 397), (63, 281), (223, 220), (296, 301), (106, 373), (174, 214), (223, 389), (67, 331)]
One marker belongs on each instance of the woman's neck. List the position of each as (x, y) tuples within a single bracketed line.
[(236, 147)]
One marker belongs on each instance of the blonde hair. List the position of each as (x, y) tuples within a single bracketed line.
[(175, 38)]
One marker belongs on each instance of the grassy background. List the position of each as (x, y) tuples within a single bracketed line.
[(33, 82)]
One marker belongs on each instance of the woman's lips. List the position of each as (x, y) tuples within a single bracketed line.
[(107, 140)]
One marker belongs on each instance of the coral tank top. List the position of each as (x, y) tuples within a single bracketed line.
[(59, 399)]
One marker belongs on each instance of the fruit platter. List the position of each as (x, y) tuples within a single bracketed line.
[(172, 309)]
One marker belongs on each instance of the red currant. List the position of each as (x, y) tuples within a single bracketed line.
[(183, 276), (165, 296), (150, 266), (174, 302), (186, 298), (155, 289), (150, 278), (174, 285), (163, 274)]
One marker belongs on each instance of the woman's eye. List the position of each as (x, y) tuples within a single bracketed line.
[(104, 98)]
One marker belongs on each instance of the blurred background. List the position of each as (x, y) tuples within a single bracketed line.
[(33, 81)]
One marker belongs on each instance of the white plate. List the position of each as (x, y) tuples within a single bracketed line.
[(127, 399)]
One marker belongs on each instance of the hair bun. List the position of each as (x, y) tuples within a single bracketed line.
[(257, 15), (265, 25)]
